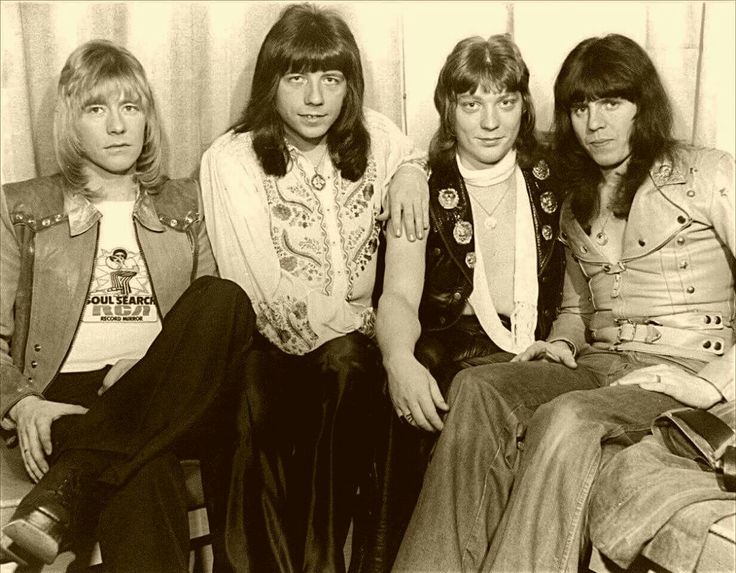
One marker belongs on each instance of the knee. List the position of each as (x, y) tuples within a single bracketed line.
[(217, 292), (564, 418), (430, 352), (217, 288), (473, 399), (478, 387)]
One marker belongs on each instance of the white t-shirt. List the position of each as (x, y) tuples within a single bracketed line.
[(120, 317)]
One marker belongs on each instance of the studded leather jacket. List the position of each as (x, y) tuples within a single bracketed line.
[(672, 292), (449, 267), (48, 238)]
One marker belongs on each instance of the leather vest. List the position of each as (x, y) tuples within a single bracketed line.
[(451, 247)]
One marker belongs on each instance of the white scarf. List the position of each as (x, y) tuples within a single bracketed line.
[(526, 288), (491, 175)]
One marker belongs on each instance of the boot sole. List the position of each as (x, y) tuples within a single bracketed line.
[(10, 552), (34, 537)]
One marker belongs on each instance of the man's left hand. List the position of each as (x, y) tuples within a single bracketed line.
[(687, 388), (408, 203)]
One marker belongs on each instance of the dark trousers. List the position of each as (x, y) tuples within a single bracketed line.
[(303, 448), (403, 451), (175, 400)]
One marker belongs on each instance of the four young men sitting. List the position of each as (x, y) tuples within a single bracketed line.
[(271, 375)]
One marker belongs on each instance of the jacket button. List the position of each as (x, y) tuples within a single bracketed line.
[(717, 320), (690, 193), (642, 242), (606, 268), (37, 347), (706, 318), (34, 363), (717, 346), (680, 240), (437, 251), (690, 290), (681, 219), (457, 296), (443, 320), (706, 344)]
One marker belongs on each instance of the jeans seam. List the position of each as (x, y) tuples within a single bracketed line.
[(579, 506), (473, 530)]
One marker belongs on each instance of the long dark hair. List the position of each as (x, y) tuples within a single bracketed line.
[(307, 39), (610, 66), (495, 64)]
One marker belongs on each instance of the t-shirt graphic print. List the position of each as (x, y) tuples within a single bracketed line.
[(120, 317)]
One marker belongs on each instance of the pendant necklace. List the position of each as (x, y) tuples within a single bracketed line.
[(317, 181), (600, 237), (490, 221)]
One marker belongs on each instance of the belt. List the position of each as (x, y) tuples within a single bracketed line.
[(691, 332)]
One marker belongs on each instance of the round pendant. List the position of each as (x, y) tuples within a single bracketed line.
[(490, 222), (601, 238), (318, 182)]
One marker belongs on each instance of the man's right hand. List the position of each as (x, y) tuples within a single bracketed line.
[(415, 394), (33, 417), (557, 351)]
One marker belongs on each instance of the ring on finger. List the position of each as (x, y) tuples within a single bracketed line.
[(409, 418)]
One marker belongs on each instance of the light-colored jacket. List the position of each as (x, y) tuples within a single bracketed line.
[(672, 292), (44, 221)]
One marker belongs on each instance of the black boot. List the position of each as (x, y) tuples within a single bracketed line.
[(40, 525)]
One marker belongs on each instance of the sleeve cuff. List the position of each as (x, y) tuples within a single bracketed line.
[(570, 344)]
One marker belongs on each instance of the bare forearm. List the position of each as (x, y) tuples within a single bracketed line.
[(397, 327)]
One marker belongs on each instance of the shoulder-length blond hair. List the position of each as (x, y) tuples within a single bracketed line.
[(92, 71)]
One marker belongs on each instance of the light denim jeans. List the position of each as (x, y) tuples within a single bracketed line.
[(538, 427)]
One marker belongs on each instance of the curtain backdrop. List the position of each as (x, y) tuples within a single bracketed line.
[(199, 57)]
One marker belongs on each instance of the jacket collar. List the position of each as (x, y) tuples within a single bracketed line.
[(82, 213), (668, 171)]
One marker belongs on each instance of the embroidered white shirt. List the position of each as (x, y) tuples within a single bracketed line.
[(306, 258)]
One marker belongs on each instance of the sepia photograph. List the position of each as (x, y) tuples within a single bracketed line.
[(368, 286)]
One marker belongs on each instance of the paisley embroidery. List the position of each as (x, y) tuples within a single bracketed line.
[(272, 322), (547, 232)]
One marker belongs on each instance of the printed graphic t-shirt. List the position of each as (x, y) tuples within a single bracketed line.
[(120, 318)]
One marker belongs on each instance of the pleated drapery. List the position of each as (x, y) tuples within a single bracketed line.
[(199, 57)]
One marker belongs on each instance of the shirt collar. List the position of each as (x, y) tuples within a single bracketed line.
[(668, 171), (83, 214)]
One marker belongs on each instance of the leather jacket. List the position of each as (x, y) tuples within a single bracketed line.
[(672, 292), (48, 239), (449, 267)]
